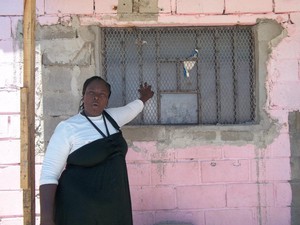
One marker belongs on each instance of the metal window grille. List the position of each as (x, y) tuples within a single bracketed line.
[(200, 75)]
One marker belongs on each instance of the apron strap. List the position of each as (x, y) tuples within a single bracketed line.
[(111, 120), (97, 128)]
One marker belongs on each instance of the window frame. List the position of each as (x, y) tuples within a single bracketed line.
[(254, 109)]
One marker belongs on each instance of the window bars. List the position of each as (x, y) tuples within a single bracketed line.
[(200, 75)]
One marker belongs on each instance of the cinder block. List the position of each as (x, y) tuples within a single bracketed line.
[(285, 95), (58, 79), (10, 151), (11, 8), (57, 104), (140, 153), (5, 25), (237, 136), (225, 171), (75, 53), (143, 135), (278, 215), (295, 17), (10, 126), (148, 6), (165, 6), (288, 70), (187, 216), (48, 20), (200, 152), (54, 32), (49, 126), (106, 7), (10, 174), (11, 203), (11, 100), (200, 197), (11, 76), (200, 6), (287, 49), (160, 156), (239, 152), (143, 217), (179, 173), (231, 217), (69, 6), (267, 169), (287, 6), (249, 6), (172, 223), (12, 221), (283, 194), (7, 52), (40, 7), (153, 198), (280, 147), (250, 195), (204, 135), (272, 171), (139, 174), (125, 6)]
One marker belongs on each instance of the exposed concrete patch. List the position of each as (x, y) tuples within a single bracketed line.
[(269, 33), (138, 10), (54, 32), (274, 42), (148, 133), (148, 6), (125, 6), (80, 55), (71, 45), (67, 53), (235, 136)]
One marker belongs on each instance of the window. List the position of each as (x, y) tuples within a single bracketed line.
[(200, 75)]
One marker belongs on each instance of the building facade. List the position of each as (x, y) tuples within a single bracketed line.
[(181, 170)]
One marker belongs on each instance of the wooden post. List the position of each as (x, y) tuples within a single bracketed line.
[(27, 174)]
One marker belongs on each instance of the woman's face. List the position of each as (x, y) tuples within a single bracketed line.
[(95, 98)]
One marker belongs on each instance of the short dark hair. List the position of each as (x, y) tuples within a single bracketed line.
[(87, 82), (91, 79)]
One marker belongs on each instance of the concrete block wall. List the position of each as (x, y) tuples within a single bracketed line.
[(187, 175)]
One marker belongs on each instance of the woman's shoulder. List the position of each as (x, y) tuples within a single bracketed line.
[(71, 121)]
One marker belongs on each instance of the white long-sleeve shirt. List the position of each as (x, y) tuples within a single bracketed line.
[(77, 131)]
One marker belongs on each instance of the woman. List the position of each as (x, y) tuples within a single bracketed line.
[(84, 177)]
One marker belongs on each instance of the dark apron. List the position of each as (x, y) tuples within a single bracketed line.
[(94, 189)]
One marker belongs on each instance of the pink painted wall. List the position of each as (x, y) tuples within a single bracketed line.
[(206, 184)]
